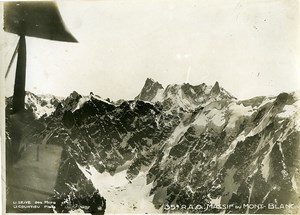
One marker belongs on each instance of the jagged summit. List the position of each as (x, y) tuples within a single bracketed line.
[(184, 96), (150, 81), (150, 90), (216, 88)]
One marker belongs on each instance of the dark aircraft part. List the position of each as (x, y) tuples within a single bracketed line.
[(19, 88), (31, 169), (36, 19)]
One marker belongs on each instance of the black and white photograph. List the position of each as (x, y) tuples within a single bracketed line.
[(150, 106)]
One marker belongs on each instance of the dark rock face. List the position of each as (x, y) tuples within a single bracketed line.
[(73, 190), (217, 151), (149, 90), (70, 103), (216, 89)]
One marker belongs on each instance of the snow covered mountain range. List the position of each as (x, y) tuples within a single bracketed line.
[(178, 149)]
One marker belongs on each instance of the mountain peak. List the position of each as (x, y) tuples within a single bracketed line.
[(216, 88), (185, 96), (149, 90), (71, 101), (149, 81)]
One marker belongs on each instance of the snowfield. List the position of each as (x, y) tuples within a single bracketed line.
[(120, 194)]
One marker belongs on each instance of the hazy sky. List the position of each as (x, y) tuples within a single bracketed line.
[(250, 47)]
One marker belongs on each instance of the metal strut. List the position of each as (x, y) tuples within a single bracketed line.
[(12, 59), (19, 88)]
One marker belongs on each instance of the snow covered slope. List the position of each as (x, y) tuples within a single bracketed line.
[(41, 105)]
